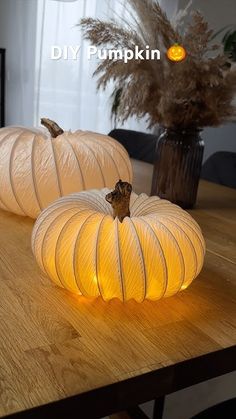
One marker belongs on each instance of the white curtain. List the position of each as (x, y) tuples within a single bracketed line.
[(65, 89), (17, 34)]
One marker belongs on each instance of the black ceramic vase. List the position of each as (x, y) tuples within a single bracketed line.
[(177, 166)]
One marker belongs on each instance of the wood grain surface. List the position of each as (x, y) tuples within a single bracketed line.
[(55, 345)]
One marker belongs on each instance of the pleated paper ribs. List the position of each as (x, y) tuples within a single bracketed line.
[(154, 253), (36, 168)]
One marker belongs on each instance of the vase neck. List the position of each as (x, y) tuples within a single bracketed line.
[(182, 131)]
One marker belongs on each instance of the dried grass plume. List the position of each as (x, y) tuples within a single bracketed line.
[(196, 92)]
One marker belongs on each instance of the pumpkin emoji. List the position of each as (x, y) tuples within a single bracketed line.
[(36, 167), (176, 53), (117, 244)]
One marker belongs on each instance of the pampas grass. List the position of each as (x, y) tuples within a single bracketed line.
[(196, 92)]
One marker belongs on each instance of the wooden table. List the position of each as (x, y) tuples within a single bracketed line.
[(65, 356)]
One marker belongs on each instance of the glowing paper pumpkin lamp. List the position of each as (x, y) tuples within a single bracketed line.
[(155, 252), (36, 168), (176, 53)]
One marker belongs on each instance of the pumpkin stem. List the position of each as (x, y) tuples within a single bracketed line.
[(120, 199), (52, 127)]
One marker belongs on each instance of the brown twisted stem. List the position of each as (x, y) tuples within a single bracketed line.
[(52, 127), (120, 200)]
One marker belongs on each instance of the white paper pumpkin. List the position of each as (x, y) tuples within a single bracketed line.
[(36, 169), (154, 253)]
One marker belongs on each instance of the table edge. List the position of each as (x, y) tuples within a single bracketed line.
[(116, 397)]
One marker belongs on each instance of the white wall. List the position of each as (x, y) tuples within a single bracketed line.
[(17, 35), (220, 138), (217, 13)]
